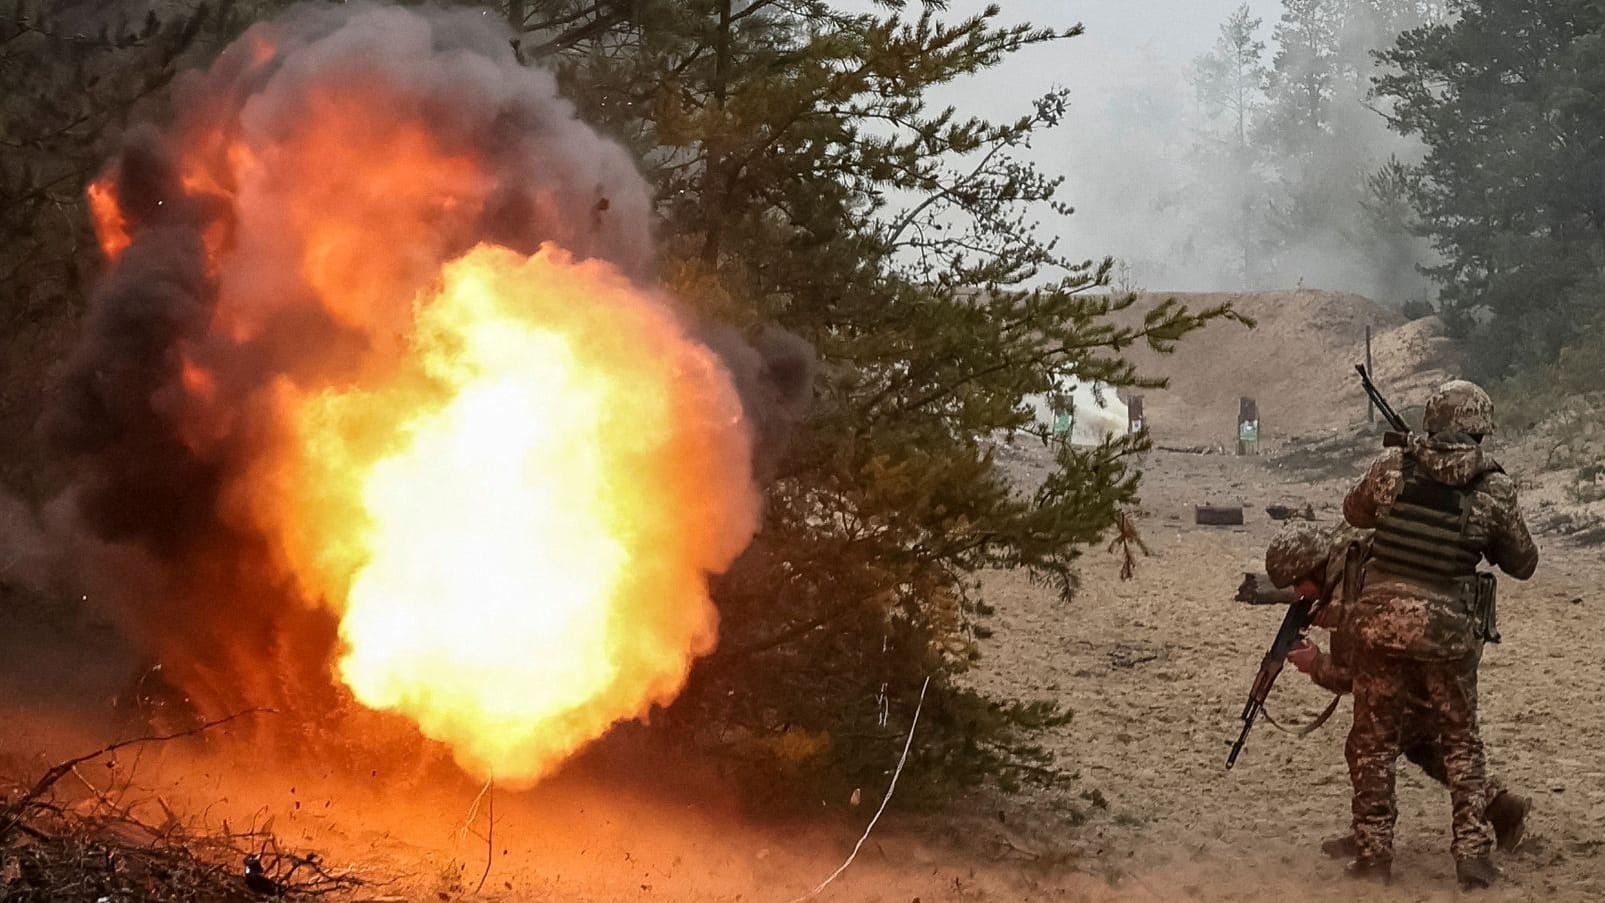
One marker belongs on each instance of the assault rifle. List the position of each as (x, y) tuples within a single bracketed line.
[(1300, 615), (1399, 436)]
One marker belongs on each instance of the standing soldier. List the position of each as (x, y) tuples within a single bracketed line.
[(1313, 562), (1439, 507)]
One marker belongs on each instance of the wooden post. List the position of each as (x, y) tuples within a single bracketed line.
[(1247, 427), (1134, 419), (1370, 407)]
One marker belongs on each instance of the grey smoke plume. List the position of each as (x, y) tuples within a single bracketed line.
[(1141, 157), (204, 286), (1159, 182)]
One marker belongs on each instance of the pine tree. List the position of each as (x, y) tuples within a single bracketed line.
[(1508, 100), (1306, 74), (69, 79), (803, 178), (1326, 140), (1232, 79), (1231, 82)]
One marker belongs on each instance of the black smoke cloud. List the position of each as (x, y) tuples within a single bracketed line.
[(149, 514)]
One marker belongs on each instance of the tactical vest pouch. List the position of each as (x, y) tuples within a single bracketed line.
[(1484, 607), (1353, 570)]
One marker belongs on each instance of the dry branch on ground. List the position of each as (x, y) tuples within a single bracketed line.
[(97, 850)]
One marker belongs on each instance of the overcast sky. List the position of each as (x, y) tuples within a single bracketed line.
[(1122, 33), (1128, 77)]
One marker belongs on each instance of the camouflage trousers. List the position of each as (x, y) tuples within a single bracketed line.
[(1389, 693), (1423, 747)]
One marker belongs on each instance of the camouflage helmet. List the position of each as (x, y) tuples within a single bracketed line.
[(1459, 406), (1298, 550)]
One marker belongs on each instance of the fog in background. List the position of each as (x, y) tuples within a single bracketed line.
[(1150, 174)]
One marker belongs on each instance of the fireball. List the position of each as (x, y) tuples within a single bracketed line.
[(532, 542), (434, 381)]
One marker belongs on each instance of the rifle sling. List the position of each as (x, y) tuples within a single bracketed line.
[(1310, 728)]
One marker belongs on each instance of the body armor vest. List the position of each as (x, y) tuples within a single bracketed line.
[(1422, 538)]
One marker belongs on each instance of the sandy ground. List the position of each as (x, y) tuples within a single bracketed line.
[(1155, 669), (1297, 364)]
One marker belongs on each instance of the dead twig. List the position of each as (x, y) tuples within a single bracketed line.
[(10, 815), (490, 833), (109, 854), (1127, 537)]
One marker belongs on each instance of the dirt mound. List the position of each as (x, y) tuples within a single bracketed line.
[(1561, 457), (1298, 364)]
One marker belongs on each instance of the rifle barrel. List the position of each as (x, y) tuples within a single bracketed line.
[(1231, 758), (1375, 394), (1297, 620)]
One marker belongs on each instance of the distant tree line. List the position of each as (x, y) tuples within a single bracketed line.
[(1293, 135), (1509, 99), (1502, 102)]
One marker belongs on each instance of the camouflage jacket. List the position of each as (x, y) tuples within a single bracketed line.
[(1332, 669), (1417, 620)]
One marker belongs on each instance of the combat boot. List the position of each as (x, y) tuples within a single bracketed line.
[(1378, 870), (1508, 815), (1478, 871), (1340, 847)]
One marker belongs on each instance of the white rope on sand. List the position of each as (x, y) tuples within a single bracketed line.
[(907, 744)]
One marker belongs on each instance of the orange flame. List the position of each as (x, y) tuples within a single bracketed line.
[(509, 475), (111, 227), (527, 565)]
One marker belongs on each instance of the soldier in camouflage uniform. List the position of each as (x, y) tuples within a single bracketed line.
[(1438, 508), (1312, 561)]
